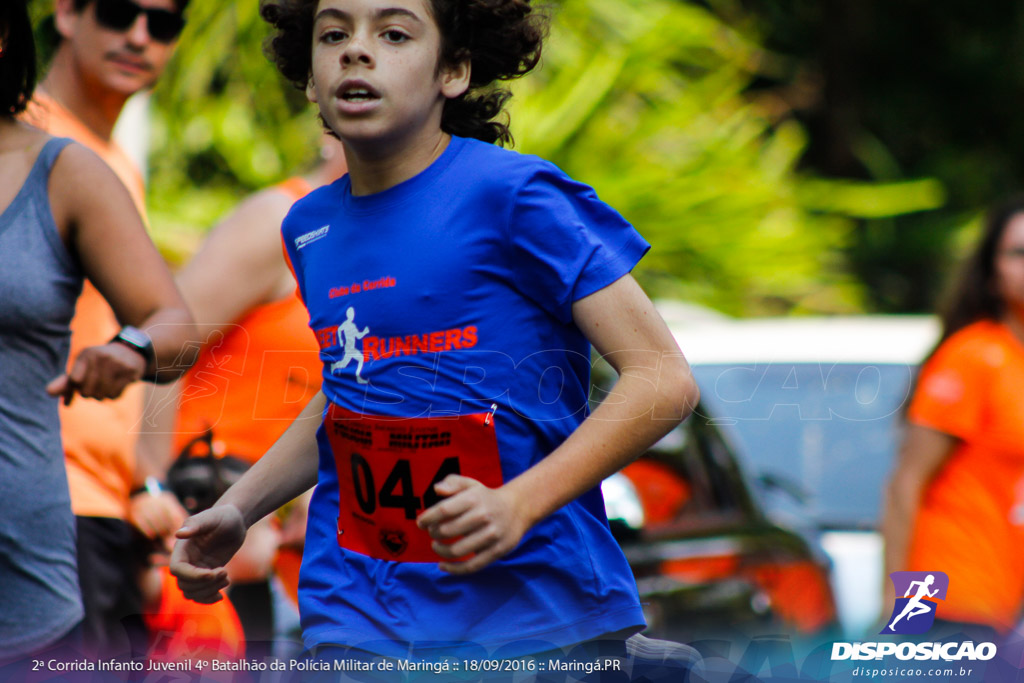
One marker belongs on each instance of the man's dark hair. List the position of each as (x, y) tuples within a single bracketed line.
[(18, 60), (502, 40)]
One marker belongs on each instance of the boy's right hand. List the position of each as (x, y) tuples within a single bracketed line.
[(206, 542)]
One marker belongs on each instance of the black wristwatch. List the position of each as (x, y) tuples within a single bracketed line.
[(138, 341)]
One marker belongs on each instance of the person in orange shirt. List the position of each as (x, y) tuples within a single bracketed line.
[(108, 51), (955, 502), (258, 368)]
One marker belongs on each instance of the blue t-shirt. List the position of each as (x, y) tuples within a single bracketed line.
[(451, 295)]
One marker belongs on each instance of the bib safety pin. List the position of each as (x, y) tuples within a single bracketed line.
[(490, 415)]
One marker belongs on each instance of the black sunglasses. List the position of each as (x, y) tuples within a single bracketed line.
[(118, 15)]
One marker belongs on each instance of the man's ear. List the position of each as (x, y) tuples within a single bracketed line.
[(65, 18), (455, 79), (311, 90)]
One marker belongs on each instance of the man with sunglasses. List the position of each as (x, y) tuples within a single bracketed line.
[(108, 50)]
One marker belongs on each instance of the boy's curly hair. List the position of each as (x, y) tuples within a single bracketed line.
[(501, 38)]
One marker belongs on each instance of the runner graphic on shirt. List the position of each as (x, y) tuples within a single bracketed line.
[(915, 606), (348, 332)]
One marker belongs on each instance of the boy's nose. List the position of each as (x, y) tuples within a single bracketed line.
[(356, 52)]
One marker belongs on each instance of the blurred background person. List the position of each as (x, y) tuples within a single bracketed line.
[(66, 216), (258, 368), (180, 629), (955, 502), (108, 50)]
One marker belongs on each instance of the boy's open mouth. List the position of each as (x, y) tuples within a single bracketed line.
[(357, 91), (358, 95)]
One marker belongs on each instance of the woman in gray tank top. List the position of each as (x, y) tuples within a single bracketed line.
[(64, 216)]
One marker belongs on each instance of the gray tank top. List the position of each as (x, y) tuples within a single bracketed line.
[(39, 284)]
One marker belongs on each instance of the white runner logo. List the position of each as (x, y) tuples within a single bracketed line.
[(348, 335)]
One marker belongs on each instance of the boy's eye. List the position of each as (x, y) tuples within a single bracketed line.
[(332, 36), (395, 36)]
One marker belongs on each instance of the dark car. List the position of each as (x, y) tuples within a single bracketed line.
[(707, 561), (815, 407)]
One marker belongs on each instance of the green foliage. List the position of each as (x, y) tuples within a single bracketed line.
[(648, 102), (902, 90), (224, 125)]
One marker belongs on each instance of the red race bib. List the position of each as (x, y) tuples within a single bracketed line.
[(387, 468)]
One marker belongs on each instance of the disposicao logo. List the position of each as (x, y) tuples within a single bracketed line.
[(914, 612)]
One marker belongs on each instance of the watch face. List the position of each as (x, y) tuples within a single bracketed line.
[(135, 337)]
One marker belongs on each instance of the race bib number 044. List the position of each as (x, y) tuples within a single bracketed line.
[(387, 468)]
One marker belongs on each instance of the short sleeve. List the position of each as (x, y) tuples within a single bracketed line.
[(291, 255), (951, 390), (566, 243)]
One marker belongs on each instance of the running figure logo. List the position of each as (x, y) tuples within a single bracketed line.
[(915, 612), (348, 332)]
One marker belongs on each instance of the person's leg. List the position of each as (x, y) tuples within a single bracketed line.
[(108, 574), (661, 661), (620, 658), (255, 607)]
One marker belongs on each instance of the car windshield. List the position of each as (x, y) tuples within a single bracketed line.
[(829, 430)]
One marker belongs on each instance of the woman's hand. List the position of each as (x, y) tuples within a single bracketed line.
[(99, 372), (156, 516), (473, 520)]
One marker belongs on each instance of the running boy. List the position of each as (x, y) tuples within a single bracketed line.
[(457, 472)]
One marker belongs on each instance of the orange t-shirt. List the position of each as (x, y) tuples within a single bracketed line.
[(99, 436), (181, 629), (249, 384), (971, 520)]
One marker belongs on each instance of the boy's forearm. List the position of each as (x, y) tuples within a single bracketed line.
[(616, 433), (287, 469)]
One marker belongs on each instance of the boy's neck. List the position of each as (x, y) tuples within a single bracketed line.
[(96, 107), (375, 172)]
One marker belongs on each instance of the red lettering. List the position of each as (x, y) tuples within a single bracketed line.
[(451, 340), (326, 337), (387, 349), (469, 337), (436, 341), (418, 344), (401, 346), (370, 348)]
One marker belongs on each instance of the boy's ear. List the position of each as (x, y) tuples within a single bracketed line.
[(455, 79), (311, 90)]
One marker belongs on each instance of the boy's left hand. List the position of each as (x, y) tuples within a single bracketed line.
[(488, 524)]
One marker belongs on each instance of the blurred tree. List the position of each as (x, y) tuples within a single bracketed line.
[(648, 102), (903, 89), (225, 123)]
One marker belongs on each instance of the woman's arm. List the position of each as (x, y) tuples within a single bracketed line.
[(654, 393), (209, 539), (921, 455), (101, 226)]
